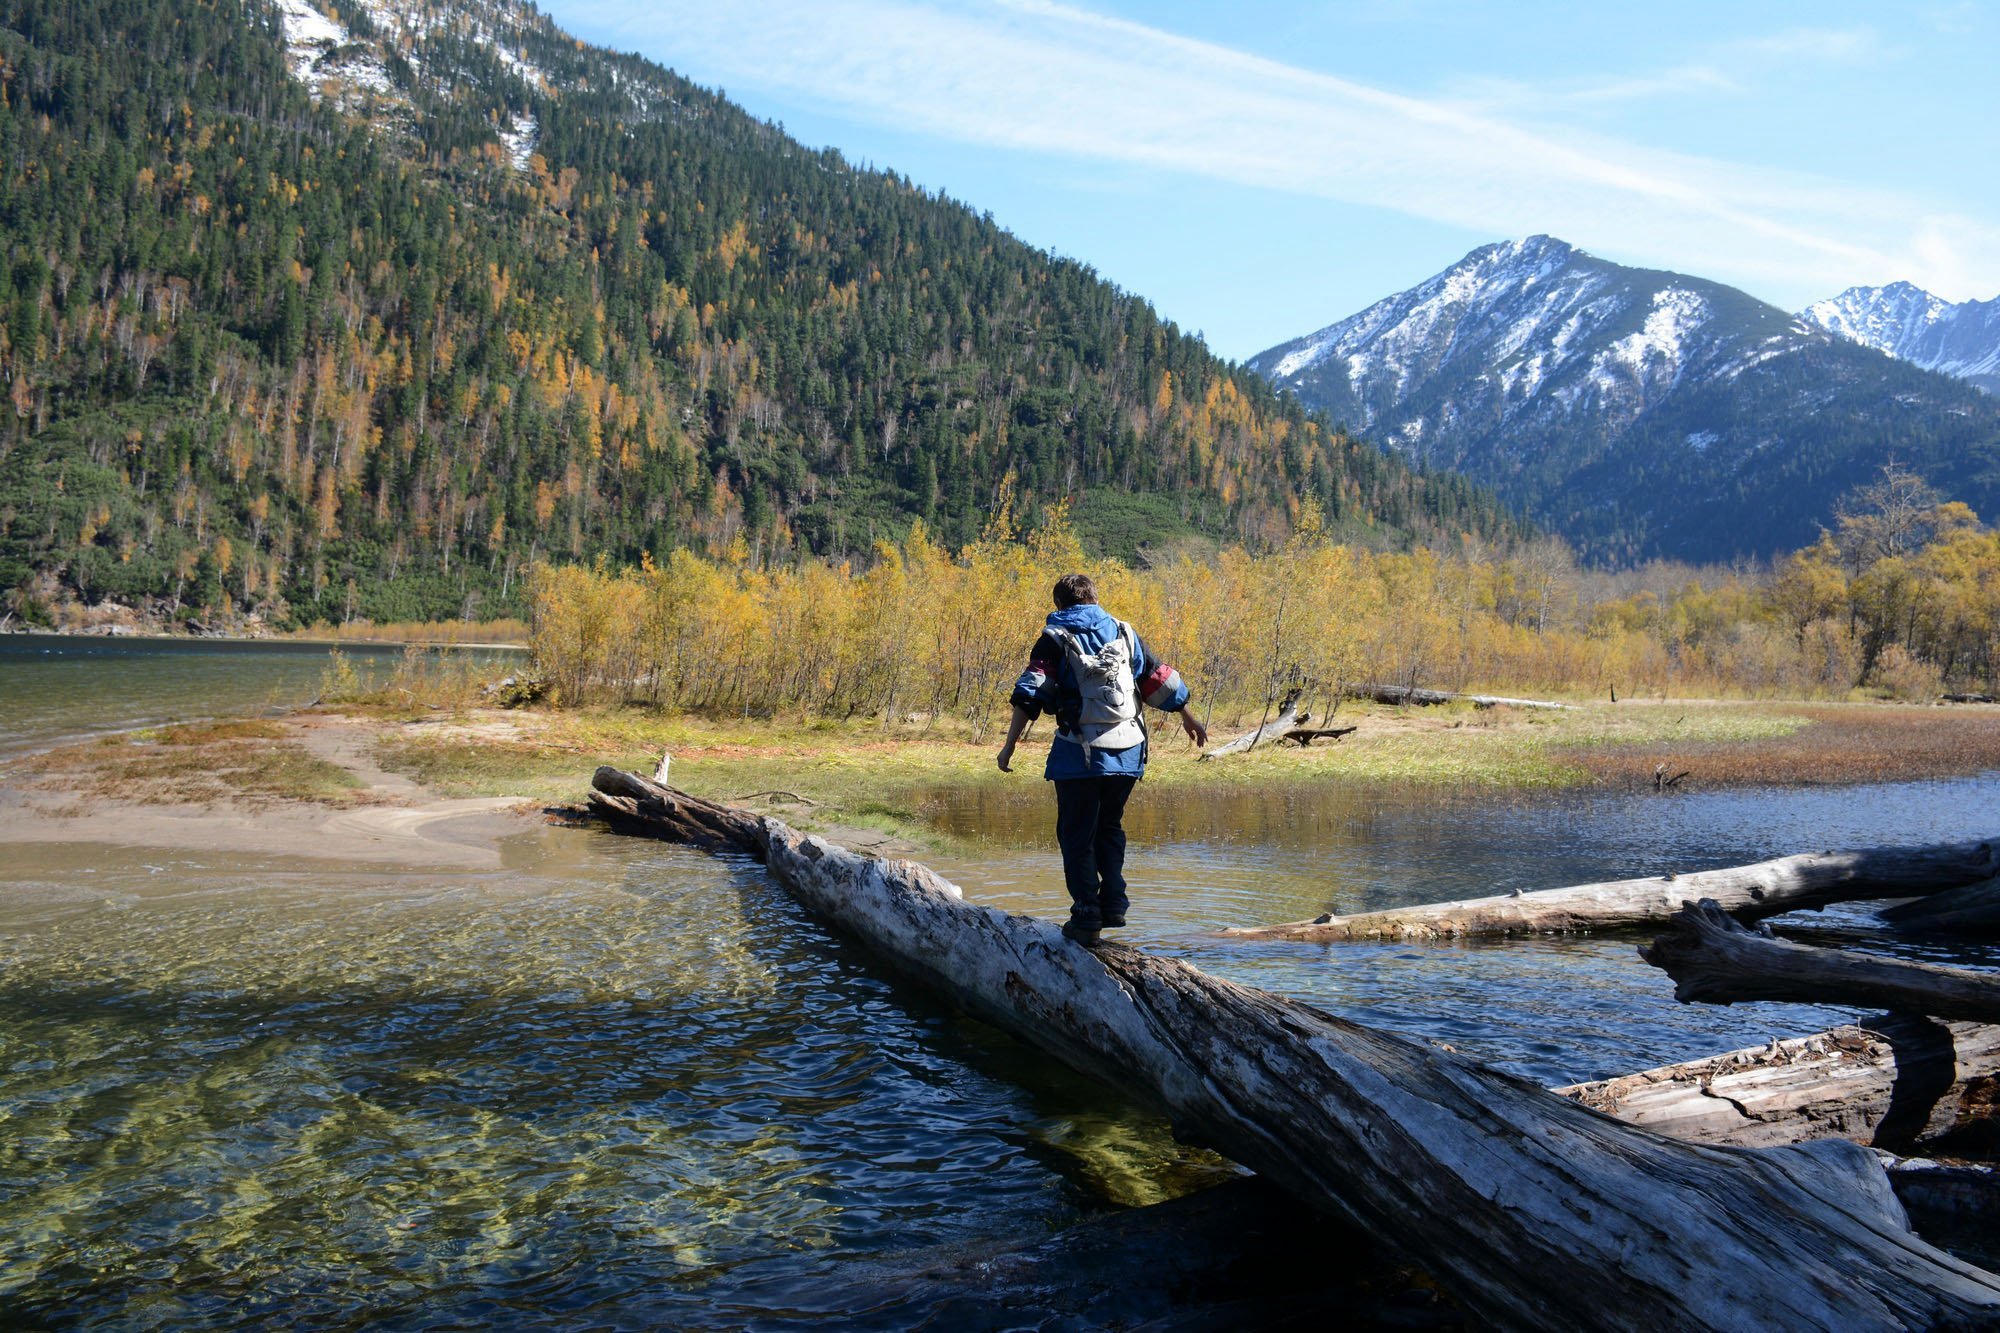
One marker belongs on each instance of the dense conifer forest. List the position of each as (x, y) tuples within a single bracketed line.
[(348, 350)]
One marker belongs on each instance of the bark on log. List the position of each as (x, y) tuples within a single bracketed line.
[(1410, 694), (1542, 1212), (1970, 909), (1715, 959), (1288, 719), (1898, 1082), (1747, 892)]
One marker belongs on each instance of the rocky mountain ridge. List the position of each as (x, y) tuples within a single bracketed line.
[(1904, 321), (1638, 412)]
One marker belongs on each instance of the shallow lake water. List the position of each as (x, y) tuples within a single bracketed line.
[(55, 687), (617, 1084)]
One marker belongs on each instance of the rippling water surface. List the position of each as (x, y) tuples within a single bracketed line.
[(622, 1085), (1557, 1010), (619, 1085)]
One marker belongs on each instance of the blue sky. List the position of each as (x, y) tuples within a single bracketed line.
[(1259, 170)]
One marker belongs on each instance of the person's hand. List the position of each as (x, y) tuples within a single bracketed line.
[(1006, 757), (1192, 726)]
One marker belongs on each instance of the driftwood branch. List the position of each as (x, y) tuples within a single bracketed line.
[(1304, 736), (1410, 694), (1715, 959), (1969, 909), (1541, 1211), (1289, 718), (1898, 1081), (1747, 892)]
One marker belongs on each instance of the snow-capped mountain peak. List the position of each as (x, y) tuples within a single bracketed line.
[(1905, 321), (1638, 411)]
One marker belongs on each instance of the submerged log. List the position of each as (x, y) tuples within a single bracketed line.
[(1290, 716), (1242, 1254), (1969, 909), (1715, 959), (1747, 892), (1410, 694), (1898, 1082), (1541, 1211)]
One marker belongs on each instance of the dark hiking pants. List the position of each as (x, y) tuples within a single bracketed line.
[(1090, 815)]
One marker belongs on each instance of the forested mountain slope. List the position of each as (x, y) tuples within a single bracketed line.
[(359, 311), (1638, 413)]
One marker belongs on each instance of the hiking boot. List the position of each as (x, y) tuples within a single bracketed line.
[(1087, 936), (1113, 919)]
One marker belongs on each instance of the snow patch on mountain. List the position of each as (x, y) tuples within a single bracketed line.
[(520, 139), (322, 52), (1309, 355), (1656, 352)]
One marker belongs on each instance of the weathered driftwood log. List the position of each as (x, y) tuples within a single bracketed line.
[(1542, 1212), (1410, 694), (1715, 959), (1748, 892), (1969, 909), (1290, 716), (1899, 1082)]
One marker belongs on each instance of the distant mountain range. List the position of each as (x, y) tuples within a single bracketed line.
[(1640, 413), (1910, 324)]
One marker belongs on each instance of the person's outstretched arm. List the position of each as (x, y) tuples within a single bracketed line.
[(1196, 729), (1015, 726), (1034, 694)]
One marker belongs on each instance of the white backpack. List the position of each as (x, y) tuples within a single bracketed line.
[(1109, 718)]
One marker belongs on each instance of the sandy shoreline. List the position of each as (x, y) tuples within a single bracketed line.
[(383, 819)]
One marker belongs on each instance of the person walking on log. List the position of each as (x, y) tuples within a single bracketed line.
[(1093, 673)]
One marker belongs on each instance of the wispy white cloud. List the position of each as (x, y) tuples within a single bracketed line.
[(1727, 69), (1046, 77)]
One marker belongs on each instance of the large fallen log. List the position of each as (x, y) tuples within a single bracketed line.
[(1541, 1211), (1715, 959), (1747, 892), (1289, 718), (1410, 694), (1899, 1082), (1969, 909)]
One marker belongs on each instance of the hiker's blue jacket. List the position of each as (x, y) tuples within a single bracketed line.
[(1049, 686)]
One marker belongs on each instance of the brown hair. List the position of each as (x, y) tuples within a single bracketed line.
[(1074, 588)]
